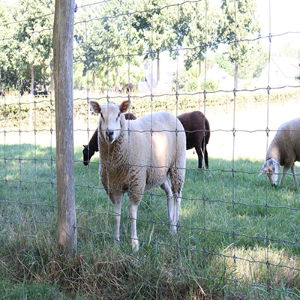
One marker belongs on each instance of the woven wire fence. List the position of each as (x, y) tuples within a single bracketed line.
[(229, 214)]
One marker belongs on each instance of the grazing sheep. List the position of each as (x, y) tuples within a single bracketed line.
[(197, 131), (138, 155), (89, 150), (284, 150), (128, 88)]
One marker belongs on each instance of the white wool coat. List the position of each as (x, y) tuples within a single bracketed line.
[(285, 147), (147, 150)]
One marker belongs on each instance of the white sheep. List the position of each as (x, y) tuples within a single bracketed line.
[(138, 155), (284, 150)]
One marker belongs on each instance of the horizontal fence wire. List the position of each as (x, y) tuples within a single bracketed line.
[(160, 95), (21, 177)]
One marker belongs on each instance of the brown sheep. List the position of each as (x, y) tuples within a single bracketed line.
[(197, 131)]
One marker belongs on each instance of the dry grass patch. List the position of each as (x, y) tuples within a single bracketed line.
[(260, 265)]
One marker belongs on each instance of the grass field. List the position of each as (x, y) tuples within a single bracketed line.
[(238, 236)]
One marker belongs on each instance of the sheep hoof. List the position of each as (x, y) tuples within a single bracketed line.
[(135, 245), (173, 230)]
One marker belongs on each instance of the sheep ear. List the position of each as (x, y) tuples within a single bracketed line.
[(124, 106), (95, 107)]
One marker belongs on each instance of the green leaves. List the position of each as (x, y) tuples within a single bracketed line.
[(113, 40), (27, 41)]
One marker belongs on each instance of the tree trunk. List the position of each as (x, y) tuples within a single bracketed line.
[(31, 103), (63, 83), (32, 80), (199, 68), (94, 80), (236, 76), (158, 68)]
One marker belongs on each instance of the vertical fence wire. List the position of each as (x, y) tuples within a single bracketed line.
[(267, 240), (52, 146), (235, 88), (204, 112)]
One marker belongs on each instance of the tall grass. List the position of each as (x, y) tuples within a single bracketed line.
[(238, 236)]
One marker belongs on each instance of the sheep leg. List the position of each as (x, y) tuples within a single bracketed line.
[(294, 175), (206, 158), (200, 156), (133, 218), (166, 186), (177, 202), (135, 196), (116, 200), (177, 179), (204, 149), (285, 169)]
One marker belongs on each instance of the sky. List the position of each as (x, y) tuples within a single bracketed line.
[(284, 15), (284, 18)]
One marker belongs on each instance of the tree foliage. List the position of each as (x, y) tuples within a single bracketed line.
[(27, 44), (112, 41)]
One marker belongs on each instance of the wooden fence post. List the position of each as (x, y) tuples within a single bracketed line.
[(63, 82)]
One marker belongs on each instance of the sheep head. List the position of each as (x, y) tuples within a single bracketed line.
[(110, 118), (87, 154), (271, 169)]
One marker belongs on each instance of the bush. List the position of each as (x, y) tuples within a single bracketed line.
[(41, 112)]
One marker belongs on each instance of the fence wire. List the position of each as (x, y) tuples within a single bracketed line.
[(28, 184)]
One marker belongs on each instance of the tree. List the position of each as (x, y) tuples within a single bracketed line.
[(28, 41), (251, 63), (238, 25), (33, 38), (8, 74), (107, 44), (113, 40), (197, 30), (154, 23)]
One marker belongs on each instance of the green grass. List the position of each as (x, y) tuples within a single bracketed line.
[(238, 236)]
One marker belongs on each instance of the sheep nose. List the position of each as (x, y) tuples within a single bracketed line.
[(109, 134)]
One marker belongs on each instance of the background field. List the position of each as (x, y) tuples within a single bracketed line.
[(238, 236)]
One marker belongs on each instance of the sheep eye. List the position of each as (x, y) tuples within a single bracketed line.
[(118, 116)]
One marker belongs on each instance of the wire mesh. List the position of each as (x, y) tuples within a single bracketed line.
[(28, 157)]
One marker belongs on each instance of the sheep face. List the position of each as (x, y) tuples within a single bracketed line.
[(271, 169), (110, 119)]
